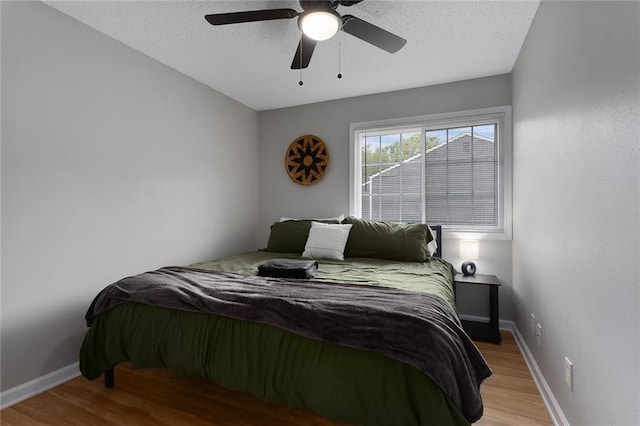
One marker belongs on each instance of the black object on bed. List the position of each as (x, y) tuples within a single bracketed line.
[(288, 268)]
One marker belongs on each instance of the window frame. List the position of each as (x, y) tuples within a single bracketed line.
[(502, 115)]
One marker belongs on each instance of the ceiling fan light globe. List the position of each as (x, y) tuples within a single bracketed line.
[(320, 25)]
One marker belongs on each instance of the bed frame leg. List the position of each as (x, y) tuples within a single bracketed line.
[(109, 378)]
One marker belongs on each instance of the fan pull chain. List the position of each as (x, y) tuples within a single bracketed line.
[(339, 54), (300, 82)]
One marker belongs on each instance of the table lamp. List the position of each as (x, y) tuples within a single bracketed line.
[(469, 251)]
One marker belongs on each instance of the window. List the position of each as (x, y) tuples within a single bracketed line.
[(452, 170)]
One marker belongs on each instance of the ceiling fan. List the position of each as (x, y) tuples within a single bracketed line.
[(319, 21)]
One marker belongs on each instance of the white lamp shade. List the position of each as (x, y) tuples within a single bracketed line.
[(320, 24), (469, 249)]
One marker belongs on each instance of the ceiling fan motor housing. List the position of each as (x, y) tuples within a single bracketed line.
[(318, 4)]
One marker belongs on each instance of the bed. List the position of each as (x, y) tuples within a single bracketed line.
[(368, 340)]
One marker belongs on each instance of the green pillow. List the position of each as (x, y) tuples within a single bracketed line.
[(385, 240), (291, 236)]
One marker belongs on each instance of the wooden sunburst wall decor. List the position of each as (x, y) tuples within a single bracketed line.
[(306, 160)]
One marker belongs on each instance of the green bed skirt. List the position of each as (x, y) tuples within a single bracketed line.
[(340, 383)]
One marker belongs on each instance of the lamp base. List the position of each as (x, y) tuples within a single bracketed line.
[(468, 268)]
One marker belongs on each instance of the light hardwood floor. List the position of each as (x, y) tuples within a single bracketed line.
[(155, 397), (510, 396)]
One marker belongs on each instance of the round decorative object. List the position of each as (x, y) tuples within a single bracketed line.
[(306, 160), (468, 268)]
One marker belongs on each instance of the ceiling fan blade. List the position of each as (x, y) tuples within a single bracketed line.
[(372, 34), (349, 2), (250, 16), (301, 59)]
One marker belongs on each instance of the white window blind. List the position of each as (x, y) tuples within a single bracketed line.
[(445, 171)]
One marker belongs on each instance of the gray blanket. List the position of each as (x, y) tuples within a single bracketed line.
[(415, 328)]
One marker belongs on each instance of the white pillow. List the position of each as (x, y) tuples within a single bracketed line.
[(337, 218), (326, 241)]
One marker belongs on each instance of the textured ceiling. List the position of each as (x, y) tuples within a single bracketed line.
[(447, 41)]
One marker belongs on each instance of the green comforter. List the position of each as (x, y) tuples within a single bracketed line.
[(340, 383)]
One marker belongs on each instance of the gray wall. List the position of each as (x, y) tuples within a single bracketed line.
[(111, 164), (279, 196), (576, 246)]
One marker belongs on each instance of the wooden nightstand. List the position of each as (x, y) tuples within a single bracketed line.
[(481, 330)]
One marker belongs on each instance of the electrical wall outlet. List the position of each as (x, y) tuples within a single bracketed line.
[(568, 373), (539, 334), (533, 324)]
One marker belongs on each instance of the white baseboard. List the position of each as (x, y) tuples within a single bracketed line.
[(549, 399), (38, 385)]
